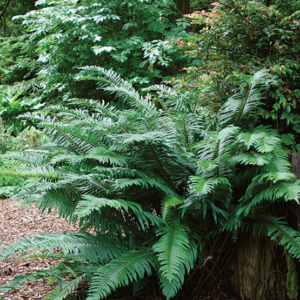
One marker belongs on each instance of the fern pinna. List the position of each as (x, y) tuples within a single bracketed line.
[(156, 181)]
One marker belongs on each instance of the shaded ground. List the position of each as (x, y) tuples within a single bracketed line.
[(18, 222)]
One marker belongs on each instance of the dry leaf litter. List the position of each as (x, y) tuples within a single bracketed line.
[(18, 222)]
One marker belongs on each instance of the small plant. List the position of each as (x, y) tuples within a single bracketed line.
[(13, 103), (29, 138)]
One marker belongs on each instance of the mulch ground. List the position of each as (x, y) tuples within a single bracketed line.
[(17, 222)]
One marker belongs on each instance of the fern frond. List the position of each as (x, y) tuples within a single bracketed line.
[(91, 203), (275, 177), (18, 281), (145, 137), (206, 186), (238, 107), (254, 158), (146, 183), (85, 207), (104, 156), (61, 200), (280, 190), (35, 159), (86, 246), (66, 288), (112, 82), (74, 138), (263, 138), (120, 272), (279, 163), (168, 203), (47, 172), (171, 250), (277, 229), (170, 289)]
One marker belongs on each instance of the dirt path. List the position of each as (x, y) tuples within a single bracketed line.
[(17, 222)]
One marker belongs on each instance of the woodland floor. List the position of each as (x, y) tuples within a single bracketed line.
[(17, 222)]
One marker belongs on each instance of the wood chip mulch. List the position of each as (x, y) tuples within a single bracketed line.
[(17, 222)]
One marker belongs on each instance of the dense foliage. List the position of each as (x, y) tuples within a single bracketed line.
[(244, 37), (146, 180), (156, 176), (135, 39), (131, 37)]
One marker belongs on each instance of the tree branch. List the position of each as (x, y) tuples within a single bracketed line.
[(4, 9)]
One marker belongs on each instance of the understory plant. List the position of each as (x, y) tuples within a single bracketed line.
[(157, 180), (243, 37), (29, 138), (13, 102), (135, 38)]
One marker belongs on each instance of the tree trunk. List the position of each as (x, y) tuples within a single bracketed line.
[(183, 7), (256, 273)]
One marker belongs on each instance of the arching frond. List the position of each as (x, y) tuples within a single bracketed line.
[(239, 106), (104, 156), (120, 272), (18, 281), (254, 158), (86, 246), (280, 190), (277, 229), (30, 158)]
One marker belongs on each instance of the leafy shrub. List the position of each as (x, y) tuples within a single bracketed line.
[(243, 37), (158, 183), (133, 37)]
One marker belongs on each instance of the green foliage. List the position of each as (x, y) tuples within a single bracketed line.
[(66, 288), (134, 38), (13, 103), (18, 281), (244, 37), (10, 8), (120, 272), (28, 138), (156, 179)]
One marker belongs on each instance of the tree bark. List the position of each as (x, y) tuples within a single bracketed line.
[(256, 273), (183, 7)]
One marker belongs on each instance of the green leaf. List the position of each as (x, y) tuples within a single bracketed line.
[(120, 272), (253, 158), (206, 186), (168, 203), (287, 139), (171, 250)]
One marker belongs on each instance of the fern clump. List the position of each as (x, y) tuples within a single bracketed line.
[(157, 182)]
